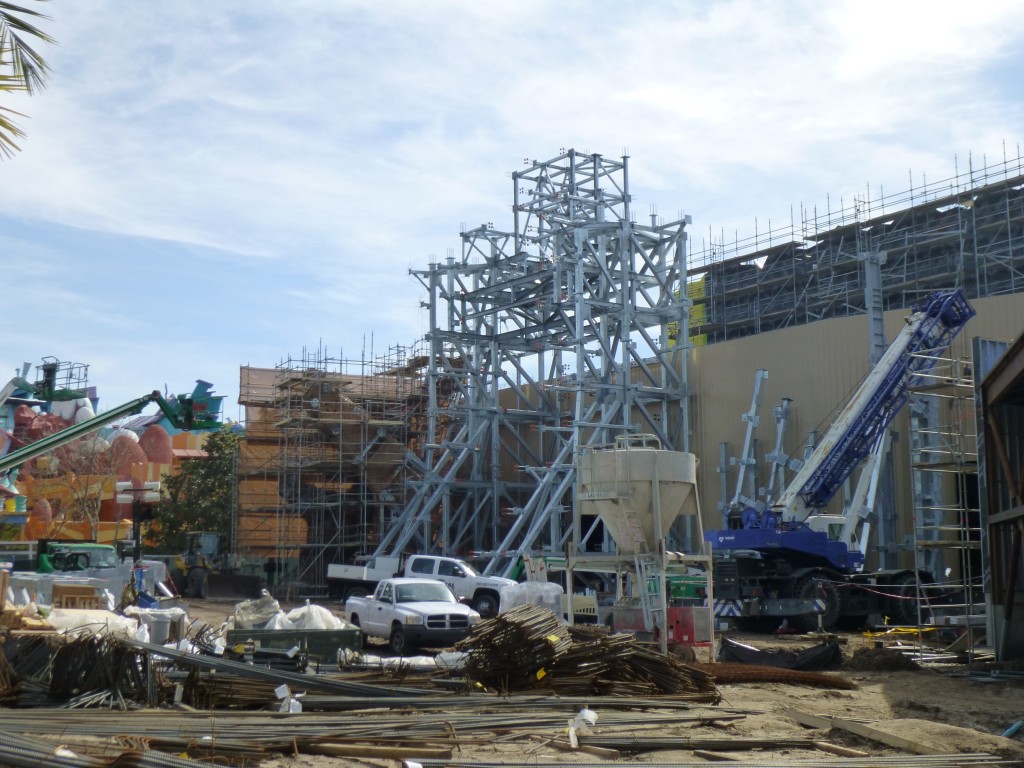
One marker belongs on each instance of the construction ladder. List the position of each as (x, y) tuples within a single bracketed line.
[(650, 586)]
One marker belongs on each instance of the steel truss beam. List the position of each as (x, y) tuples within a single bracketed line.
[(544, 340)]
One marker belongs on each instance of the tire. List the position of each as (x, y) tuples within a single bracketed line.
[(486, 604), (356, 592), (817, 585), (903, 607), (354, 621), (398, 643)]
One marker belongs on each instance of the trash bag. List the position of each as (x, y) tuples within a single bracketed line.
[(543, 593), (277, 621), (255, 614), (825, 655), (314, 617)]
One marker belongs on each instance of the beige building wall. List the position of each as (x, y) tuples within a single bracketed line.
[(818, 366)]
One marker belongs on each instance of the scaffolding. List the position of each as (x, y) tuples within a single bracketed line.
[(944, 473), (563, 333), (967, 230), (323, 468)]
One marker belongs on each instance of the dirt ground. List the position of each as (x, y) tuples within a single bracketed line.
[(939, 706)]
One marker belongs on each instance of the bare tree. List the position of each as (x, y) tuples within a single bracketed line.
[(85, 471)]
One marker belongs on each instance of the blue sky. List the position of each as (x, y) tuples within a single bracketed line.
[(206, 185)]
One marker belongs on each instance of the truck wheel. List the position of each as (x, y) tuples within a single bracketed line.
[(903, 606), (817, 585), (398, 643), (354, 621), (356, 592), (486, 604)]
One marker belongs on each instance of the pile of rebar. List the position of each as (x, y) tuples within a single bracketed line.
[(30, 657), (514, 650), (529, 648), (89, 670), (8, 681), (95, 664), (20, 752), (731, 672), (202, 690)]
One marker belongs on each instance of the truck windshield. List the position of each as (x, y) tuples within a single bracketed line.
[(101, 558), (83, 557), (468, 568), (416, 593)]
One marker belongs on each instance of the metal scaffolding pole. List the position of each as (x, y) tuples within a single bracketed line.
[(560, 334)]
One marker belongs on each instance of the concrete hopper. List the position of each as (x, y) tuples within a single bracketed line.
[(638, 489)]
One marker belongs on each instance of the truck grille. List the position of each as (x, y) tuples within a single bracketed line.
[(447, 621)]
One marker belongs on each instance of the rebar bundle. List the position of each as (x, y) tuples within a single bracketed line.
[(726, 672), (30, 657), (89, 670), (528, 647), (8, 681), (20, 752), (99, 664), (203, 690), (513, 650)]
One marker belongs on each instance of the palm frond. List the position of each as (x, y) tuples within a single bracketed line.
[(15, 53), (9, 131), (21, 67)]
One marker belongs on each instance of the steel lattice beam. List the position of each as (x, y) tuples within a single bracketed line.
[(543, 340)]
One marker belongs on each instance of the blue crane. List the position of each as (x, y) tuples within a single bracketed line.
[(791, 540)]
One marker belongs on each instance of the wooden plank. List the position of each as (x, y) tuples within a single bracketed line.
[(891, 739), (967, 640), (835, 749), (811, 721)]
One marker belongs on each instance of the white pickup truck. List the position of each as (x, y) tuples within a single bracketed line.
[(410, 613), (483, 592)]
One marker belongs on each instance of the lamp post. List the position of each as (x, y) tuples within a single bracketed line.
[(127, 493)]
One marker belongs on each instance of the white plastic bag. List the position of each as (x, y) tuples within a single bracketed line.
[(254, 614), (314, 617)]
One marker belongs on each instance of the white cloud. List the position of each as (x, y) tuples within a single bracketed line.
[(260, 176)]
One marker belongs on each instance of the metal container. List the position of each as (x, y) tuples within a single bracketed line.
[(320, 643), (638, 489)]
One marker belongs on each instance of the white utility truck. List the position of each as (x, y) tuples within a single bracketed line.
[(483, 592), (409, 613)]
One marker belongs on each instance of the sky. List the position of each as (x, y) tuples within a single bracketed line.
[(209, 185)]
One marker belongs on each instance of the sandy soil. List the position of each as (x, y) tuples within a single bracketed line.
[(940, 707)]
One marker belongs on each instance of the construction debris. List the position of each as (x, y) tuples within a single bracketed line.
[(529, 648), (726, 673), (824, 655), (881, 660), (941, 738), (511, 687), (8, 682)]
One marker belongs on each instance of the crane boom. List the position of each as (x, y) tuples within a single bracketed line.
[(181, 414), (790, 560), (860, 425), (48, 443)]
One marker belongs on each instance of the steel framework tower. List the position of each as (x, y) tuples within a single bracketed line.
[(561, 334)]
